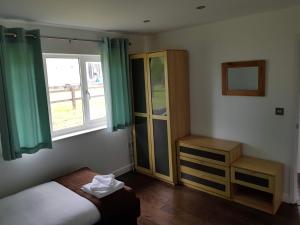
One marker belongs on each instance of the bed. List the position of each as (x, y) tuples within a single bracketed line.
[(62, 202)]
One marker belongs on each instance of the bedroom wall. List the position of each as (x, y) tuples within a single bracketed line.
[(103, 151), (273, 36)]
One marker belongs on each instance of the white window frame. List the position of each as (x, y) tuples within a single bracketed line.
[(88, 124)]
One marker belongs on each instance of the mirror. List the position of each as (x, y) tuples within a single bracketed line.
[(245, 78)]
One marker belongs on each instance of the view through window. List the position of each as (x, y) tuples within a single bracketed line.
[(76, 92)]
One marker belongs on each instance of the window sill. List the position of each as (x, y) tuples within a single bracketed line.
[(77, 133)]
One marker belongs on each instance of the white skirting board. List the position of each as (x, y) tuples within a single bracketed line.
[(123, 170), (286, 198)]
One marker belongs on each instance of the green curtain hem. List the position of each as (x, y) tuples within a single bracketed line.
[(29, 151), (36, 148), (121, 126)]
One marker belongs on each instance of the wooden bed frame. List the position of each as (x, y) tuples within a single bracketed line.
[(119, 208)]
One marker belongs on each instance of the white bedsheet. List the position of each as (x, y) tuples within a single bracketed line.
[(47, 204)]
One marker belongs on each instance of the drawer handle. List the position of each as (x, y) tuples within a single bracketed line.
[(263, 182)]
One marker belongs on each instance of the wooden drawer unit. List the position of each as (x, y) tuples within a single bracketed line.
[(199, 168), (204, 163), (205, 176), (205, 154), (211, 150), (206, 184), (252, 179), (257, 183)]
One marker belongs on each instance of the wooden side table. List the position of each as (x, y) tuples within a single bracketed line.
[(257, 183)]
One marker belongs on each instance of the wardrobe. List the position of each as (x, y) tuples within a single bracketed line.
[(160, 88)]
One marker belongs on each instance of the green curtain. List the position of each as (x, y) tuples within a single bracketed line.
[(115, 65), (24, 120)]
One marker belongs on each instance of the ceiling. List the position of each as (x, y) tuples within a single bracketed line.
[(128, 15)]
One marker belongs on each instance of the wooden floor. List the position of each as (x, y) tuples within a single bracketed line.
[(163, 204)]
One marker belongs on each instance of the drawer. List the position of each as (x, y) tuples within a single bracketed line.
[(252, 179), (205, 154), (206, 184), (200, 168)]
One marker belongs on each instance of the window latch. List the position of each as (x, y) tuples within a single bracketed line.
[(88, 94)]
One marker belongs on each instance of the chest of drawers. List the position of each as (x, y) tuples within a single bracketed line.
[(204, 163)]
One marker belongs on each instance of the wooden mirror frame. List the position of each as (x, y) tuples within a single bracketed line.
[(261, 64)]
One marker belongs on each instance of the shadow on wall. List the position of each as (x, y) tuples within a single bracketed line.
[(102, 151), (202, 90)]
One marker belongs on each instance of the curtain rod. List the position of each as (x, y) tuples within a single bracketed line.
[(52, 37), (60, 38)]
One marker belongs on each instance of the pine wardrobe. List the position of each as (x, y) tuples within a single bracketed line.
[(160, 87)]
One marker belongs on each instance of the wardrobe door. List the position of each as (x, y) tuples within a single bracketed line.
[(159, 115), (141, 129)]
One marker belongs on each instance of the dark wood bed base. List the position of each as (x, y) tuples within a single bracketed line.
[(119, 208)]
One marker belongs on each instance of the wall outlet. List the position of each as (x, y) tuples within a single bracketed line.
[(279, 111)]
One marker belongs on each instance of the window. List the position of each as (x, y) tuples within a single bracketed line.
[(75, 92)]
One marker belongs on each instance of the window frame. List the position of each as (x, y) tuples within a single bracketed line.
[(88, 124)]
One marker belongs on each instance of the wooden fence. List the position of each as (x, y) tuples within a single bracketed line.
[(72, 90)]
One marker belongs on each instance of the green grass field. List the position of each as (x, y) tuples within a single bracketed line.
[(64, 116)]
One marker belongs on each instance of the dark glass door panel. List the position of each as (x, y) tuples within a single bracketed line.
[(141, 140), (160, 135), (158, 87), (138, 83)]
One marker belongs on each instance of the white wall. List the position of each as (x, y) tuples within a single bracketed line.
[(102, 151), (272, 36)]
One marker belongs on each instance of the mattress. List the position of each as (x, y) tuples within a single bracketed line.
[(47, 204)]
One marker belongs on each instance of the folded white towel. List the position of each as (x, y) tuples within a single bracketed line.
[(99, 189), (104, 177), (102, 182)]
